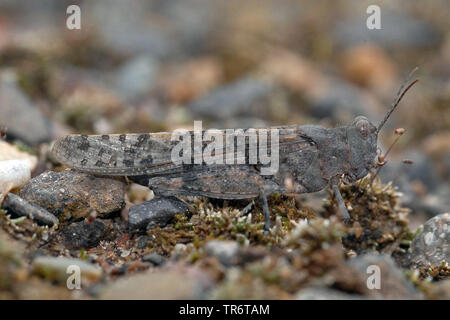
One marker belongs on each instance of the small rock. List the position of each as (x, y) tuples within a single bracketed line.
[(179, 249), (320, 293), (136, 77), (432, 245), (79, 235), (23, 208), (422, 169), (224, 251), (246, 96), (55, 268), (154, 258), (23, 119), (129, 36), (393, 284), (13, 174), (176, 283), (70, 193), (158, 211), (142, 242), (398, 30), (191, 23)]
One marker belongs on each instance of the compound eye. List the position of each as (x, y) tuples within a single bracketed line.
[(363, 127)]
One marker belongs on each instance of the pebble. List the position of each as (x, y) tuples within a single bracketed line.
[(13, 174), (173, 284), (155, 212), (142, 242), (73, 194), (79, 235), (128, 36), (393, 283), (55, 268), (422, 169), (154, 258), (246, 96), (179, 249), (224, 251), (398, 30), (432, 245), (136, 77), (23, 119), (23, 208)]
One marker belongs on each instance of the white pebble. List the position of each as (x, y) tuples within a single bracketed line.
[(13, 174)]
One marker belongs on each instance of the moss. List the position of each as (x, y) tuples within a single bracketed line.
[(379, 222)]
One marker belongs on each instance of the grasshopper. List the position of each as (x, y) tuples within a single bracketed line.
[(311, 158)]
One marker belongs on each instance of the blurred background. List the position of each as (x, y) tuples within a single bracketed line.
[(146, 66)]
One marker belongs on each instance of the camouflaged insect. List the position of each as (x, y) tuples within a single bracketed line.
[(310, 158)]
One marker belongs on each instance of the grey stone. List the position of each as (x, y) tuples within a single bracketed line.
[(69, 193), (142, 242), (21, 207), (136, 76), (224, 251), (126, 28), (432, 245), (247, 96), (191, 22), (154, 258), (422, 169), (393, 283), (398, 30), (155, 212), (23, 119)]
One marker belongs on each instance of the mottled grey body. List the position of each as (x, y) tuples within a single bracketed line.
[(310, 158)]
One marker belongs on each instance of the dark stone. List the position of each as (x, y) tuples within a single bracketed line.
[(20, 207), (142, 242), (83, 235), (154, 258), (157, 211)]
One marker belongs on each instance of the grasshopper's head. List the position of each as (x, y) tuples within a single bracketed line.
[(362, 140), (362, 137)]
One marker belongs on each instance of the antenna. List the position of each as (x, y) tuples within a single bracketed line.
[(401, 92)]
